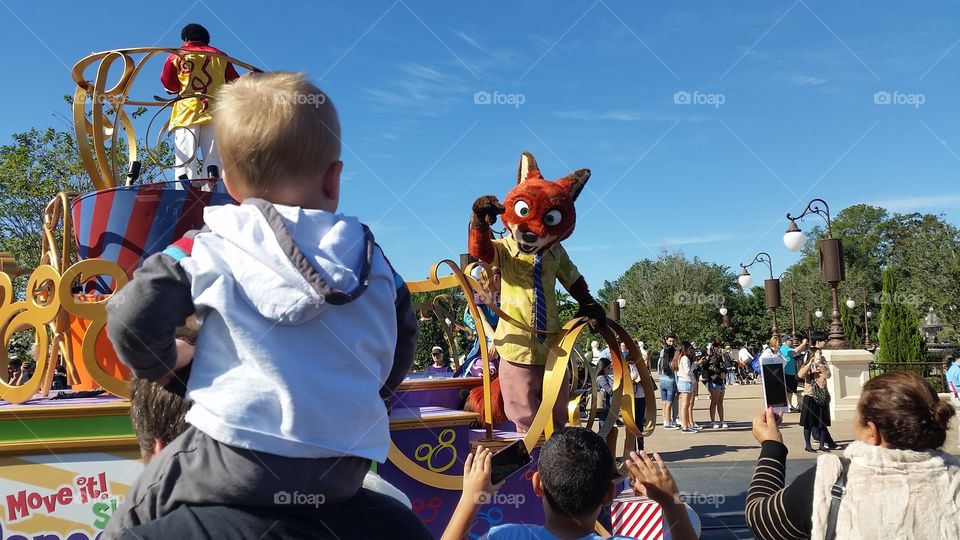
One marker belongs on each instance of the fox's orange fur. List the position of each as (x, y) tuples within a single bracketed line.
[(538, 214)]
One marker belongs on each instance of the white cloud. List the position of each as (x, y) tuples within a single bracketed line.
[(935, 202), (624, 115), (807, 80), (703, 239)]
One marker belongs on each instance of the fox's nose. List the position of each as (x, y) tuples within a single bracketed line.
[(529, 237)]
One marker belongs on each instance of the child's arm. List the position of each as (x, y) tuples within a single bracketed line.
[(476, 491), (650, 477), (143, 316), (407, 329)]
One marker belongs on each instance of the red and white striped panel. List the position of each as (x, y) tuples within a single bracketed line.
[(636, 517)]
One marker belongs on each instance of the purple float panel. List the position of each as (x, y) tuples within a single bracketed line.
[(447, 392), (438, 440)]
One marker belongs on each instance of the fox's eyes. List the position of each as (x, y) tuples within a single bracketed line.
[(553, 217), (522, 209)]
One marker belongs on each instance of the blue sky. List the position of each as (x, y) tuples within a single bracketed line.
[(703, 123)]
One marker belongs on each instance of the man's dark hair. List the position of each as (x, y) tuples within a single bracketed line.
[(576, 470), (156, 413), (195, 32)]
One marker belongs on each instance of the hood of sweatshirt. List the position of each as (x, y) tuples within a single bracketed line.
[(292, 263)]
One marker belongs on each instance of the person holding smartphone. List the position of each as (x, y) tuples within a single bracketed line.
[(814, 416), (789, 354)]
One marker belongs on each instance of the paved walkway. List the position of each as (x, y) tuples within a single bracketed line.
[(713, 468), (741, 404)]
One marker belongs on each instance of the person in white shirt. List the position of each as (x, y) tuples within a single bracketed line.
[(682, 362)]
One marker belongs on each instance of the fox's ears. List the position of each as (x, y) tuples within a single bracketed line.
[(528, 165), (576, 180), (529, 169)]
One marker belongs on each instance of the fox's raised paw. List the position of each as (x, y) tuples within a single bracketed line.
[(486, 209)]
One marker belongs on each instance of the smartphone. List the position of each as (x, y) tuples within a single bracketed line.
[(510, 459), (774, 384)]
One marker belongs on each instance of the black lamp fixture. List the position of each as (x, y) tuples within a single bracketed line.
[(832, 269), (793, 313), (771, 286), (616, 305)]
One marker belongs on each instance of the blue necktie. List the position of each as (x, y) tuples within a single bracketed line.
[(540, 321)]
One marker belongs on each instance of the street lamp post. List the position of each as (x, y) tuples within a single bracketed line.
[(771, 287), (832, 269), (867, 314), (793, 313), (615, 307)]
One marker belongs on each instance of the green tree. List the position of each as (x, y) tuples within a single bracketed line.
[(899, 336), (673, 294), (432, 322), (851, 327), (33, 169), (750, 319)]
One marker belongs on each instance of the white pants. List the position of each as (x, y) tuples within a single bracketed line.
[(195, 142)]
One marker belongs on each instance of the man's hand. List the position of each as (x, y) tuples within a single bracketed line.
[(486, 209), (766, 427), (185, 353), (595, 313), (650, 477)]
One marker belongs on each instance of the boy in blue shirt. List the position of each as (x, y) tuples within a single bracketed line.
[(576, 478)]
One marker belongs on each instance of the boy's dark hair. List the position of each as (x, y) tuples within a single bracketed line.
[(156, 413), (576, 471), (195, 32)]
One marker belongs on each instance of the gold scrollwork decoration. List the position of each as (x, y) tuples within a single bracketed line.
[(96, 313), (40, 307)]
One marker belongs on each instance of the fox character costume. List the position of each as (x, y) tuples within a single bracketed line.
[(538, 214)]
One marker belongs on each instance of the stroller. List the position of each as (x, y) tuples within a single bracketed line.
[(747, 374)]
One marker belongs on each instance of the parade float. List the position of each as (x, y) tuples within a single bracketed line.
[(65, 464)]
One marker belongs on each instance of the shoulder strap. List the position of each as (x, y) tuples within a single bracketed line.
[(836, 495)]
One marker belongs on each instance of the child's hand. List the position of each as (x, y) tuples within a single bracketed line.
[(476, 476), (652, 479), (185, 353)]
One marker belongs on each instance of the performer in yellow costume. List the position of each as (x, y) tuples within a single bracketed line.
[(188, 74)]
